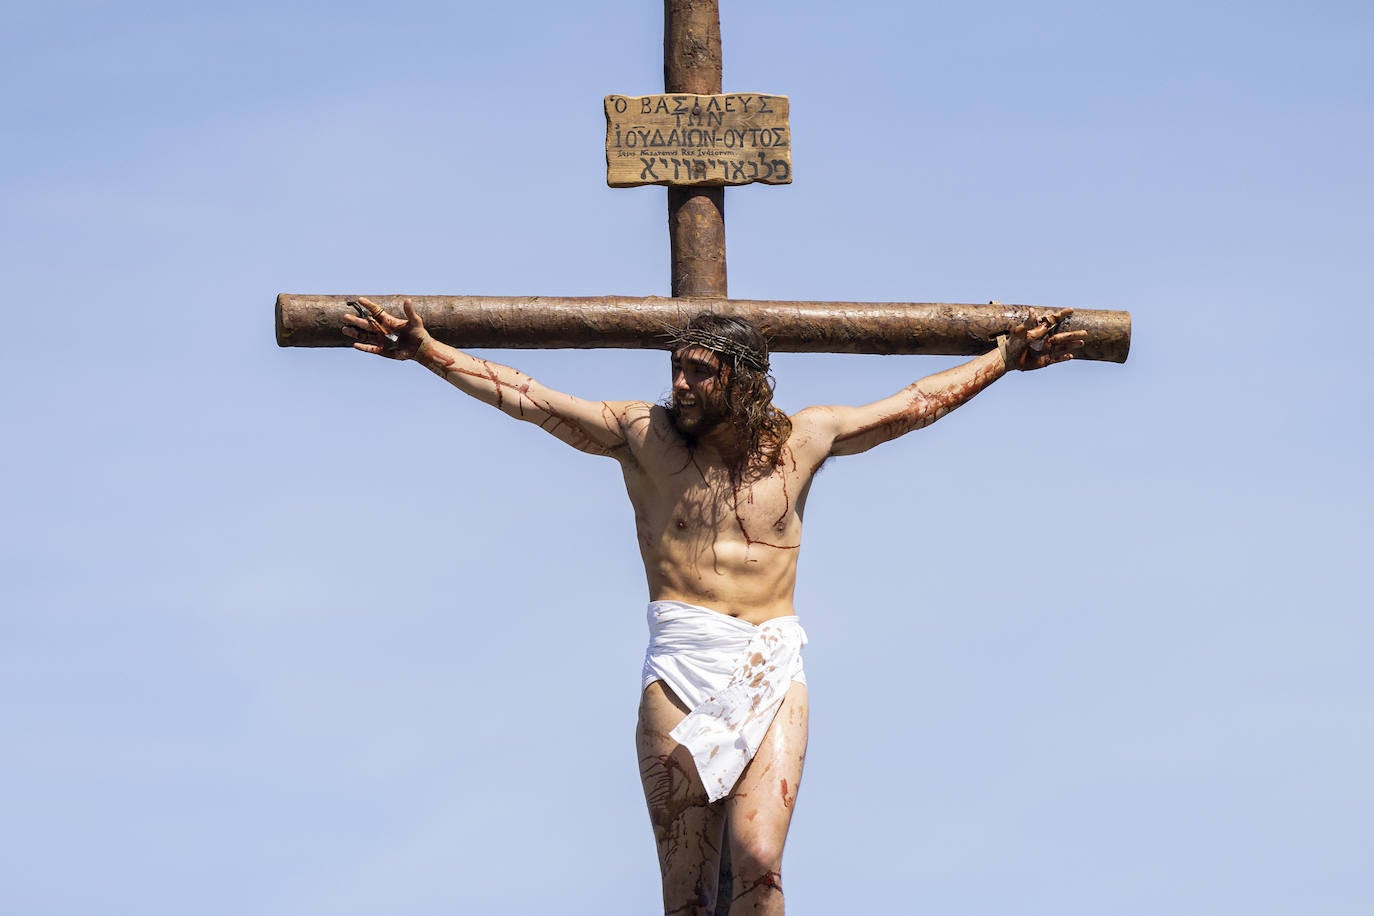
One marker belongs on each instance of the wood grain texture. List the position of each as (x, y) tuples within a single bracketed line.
[(626, 322), (696, 216)]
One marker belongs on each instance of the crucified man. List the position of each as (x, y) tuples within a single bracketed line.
[(718, 478)]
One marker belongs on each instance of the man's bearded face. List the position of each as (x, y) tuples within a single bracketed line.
[(698, 392)]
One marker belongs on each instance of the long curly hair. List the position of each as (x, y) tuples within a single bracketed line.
[(760, 428)]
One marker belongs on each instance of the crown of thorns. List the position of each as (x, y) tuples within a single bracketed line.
[(742, 354)]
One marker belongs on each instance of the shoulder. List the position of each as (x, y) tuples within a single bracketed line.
[(815, 422), (816, 414), (814, 430), (646, 427), (628, 413)]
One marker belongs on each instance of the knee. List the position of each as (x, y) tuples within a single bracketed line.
[(754, 857)]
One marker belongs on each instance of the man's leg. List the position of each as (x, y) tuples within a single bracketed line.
[(686, 828), (759, 810)]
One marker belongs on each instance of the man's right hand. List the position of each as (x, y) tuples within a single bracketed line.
[(370, 333), (1038, 343)]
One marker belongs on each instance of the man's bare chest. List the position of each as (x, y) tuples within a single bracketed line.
[(704, 496)]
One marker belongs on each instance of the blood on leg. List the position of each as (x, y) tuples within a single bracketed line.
[(759, 810), (687, 828)]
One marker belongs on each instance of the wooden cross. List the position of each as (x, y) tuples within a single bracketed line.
[(696, 140)]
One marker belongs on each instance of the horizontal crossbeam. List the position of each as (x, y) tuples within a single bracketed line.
[(626, 322)]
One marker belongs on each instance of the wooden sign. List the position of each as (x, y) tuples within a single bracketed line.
[(697, 140)]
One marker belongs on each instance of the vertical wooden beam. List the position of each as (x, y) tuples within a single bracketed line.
[(696, 216)]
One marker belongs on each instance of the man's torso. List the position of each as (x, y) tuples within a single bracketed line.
[(705, 539)]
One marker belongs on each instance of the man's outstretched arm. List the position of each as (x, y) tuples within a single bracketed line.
[(596, 427), (851, 430)]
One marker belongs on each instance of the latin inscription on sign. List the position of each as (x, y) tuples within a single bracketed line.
[(697, 140)]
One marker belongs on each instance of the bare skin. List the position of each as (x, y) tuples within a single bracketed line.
[(722, 544), (758, 811)]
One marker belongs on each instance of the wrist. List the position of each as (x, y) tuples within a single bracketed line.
[(425, 351), (1005, 351)]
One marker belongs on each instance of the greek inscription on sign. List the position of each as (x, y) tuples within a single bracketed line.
[(697, 140)]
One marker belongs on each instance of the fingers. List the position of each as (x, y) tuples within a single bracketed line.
[(381, 319), (1040, 332), (373, 320), (1043, 346), (379, 349), (1058, 349), (1035, 328), (380, 331), (1068, 341), (1046, 324), (1051, 320), (360, 330), (369, 340)]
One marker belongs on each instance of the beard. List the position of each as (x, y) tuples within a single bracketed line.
[(699, 415)]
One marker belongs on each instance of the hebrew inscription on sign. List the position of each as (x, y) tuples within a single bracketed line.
[(697, 140)]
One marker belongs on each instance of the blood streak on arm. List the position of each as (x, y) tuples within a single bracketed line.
[(914, 407), (557, 414)]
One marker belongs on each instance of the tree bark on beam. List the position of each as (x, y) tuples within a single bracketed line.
[(625, 322), (696, 216)]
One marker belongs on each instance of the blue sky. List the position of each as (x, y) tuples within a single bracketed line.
[(304, 632)]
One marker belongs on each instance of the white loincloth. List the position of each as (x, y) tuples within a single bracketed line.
[(731, 674)]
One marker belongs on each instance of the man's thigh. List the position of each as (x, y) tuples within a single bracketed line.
[(687, 828), (759, 810)]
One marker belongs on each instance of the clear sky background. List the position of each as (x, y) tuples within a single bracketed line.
[(305, 632)]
